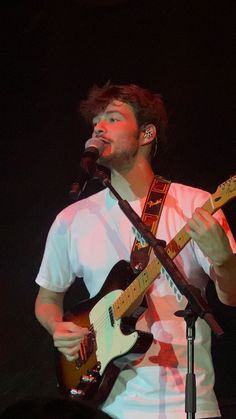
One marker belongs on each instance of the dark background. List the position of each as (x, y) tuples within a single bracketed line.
[(52, 52)]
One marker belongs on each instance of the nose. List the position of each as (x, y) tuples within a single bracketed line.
[(99, 129)]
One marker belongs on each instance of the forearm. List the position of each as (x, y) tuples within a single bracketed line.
[(67, 336), (49, 310), (224, 276), (48, 315)]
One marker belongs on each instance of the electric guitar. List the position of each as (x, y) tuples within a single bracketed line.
[(112, 331)]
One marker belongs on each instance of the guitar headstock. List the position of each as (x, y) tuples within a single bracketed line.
[(225, 192)]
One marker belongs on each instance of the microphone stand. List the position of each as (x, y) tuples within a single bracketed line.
[(196, 306)]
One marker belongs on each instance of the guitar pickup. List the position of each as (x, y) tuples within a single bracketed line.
[(87, 347), (111, 315)]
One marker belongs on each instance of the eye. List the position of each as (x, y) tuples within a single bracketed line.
[(113, 119), (94, 123)]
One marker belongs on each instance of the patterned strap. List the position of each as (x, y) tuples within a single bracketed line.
[(151, 215)]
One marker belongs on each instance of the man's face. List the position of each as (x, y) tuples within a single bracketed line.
[(118, 129)]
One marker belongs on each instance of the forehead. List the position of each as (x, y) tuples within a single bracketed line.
[(117, 106)]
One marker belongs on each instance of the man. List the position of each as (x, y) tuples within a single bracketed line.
[(89, 237)]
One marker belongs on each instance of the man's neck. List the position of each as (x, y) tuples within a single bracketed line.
[(133, 183)]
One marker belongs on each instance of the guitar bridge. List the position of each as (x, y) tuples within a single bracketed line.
[(88, 378), (93, 375), (88, 385)]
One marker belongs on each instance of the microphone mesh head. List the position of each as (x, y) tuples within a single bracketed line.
[(96, 143)]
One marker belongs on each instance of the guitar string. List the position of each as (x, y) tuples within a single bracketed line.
[(106, 315), (152, 269)]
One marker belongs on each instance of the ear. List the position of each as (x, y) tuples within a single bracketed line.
[(148, 134)]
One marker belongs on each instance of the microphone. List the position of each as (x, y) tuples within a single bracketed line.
[(93, 150)]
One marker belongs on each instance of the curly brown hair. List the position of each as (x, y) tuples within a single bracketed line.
[(148, 107)]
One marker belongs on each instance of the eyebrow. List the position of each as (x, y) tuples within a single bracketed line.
[(108, 113)]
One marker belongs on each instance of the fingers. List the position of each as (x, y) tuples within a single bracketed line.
[(202, 228), (71, 358), (200, 222), (68, 338), (207, 232), (69, 330)]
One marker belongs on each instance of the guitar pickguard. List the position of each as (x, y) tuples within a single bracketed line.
[(111, 342)]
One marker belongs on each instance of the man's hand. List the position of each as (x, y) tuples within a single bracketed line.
[(68, 337), (206, 231)]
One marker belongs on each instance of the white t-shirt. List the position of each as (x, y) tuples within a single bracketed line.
[(86, 240)]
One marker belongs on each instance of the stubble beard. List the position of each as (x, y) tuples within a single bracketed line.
[(119, 161)]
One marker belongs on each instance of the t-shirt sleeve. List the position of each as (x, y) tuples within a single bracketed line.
[(55, 272)]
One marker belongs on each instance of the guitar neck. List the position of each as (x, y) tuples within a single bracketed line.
[(182, 237), (130, 297)]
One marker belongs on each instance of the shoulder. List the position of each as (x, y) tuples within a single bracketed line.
[(183, 192), (75, 211), (186, 198), (86, 203)]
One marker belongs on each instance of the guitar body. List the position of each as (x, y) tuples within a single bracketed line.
[(105, 352)]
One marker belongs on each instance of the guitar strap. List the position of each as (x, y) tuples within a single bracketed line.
[(151, 214)]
